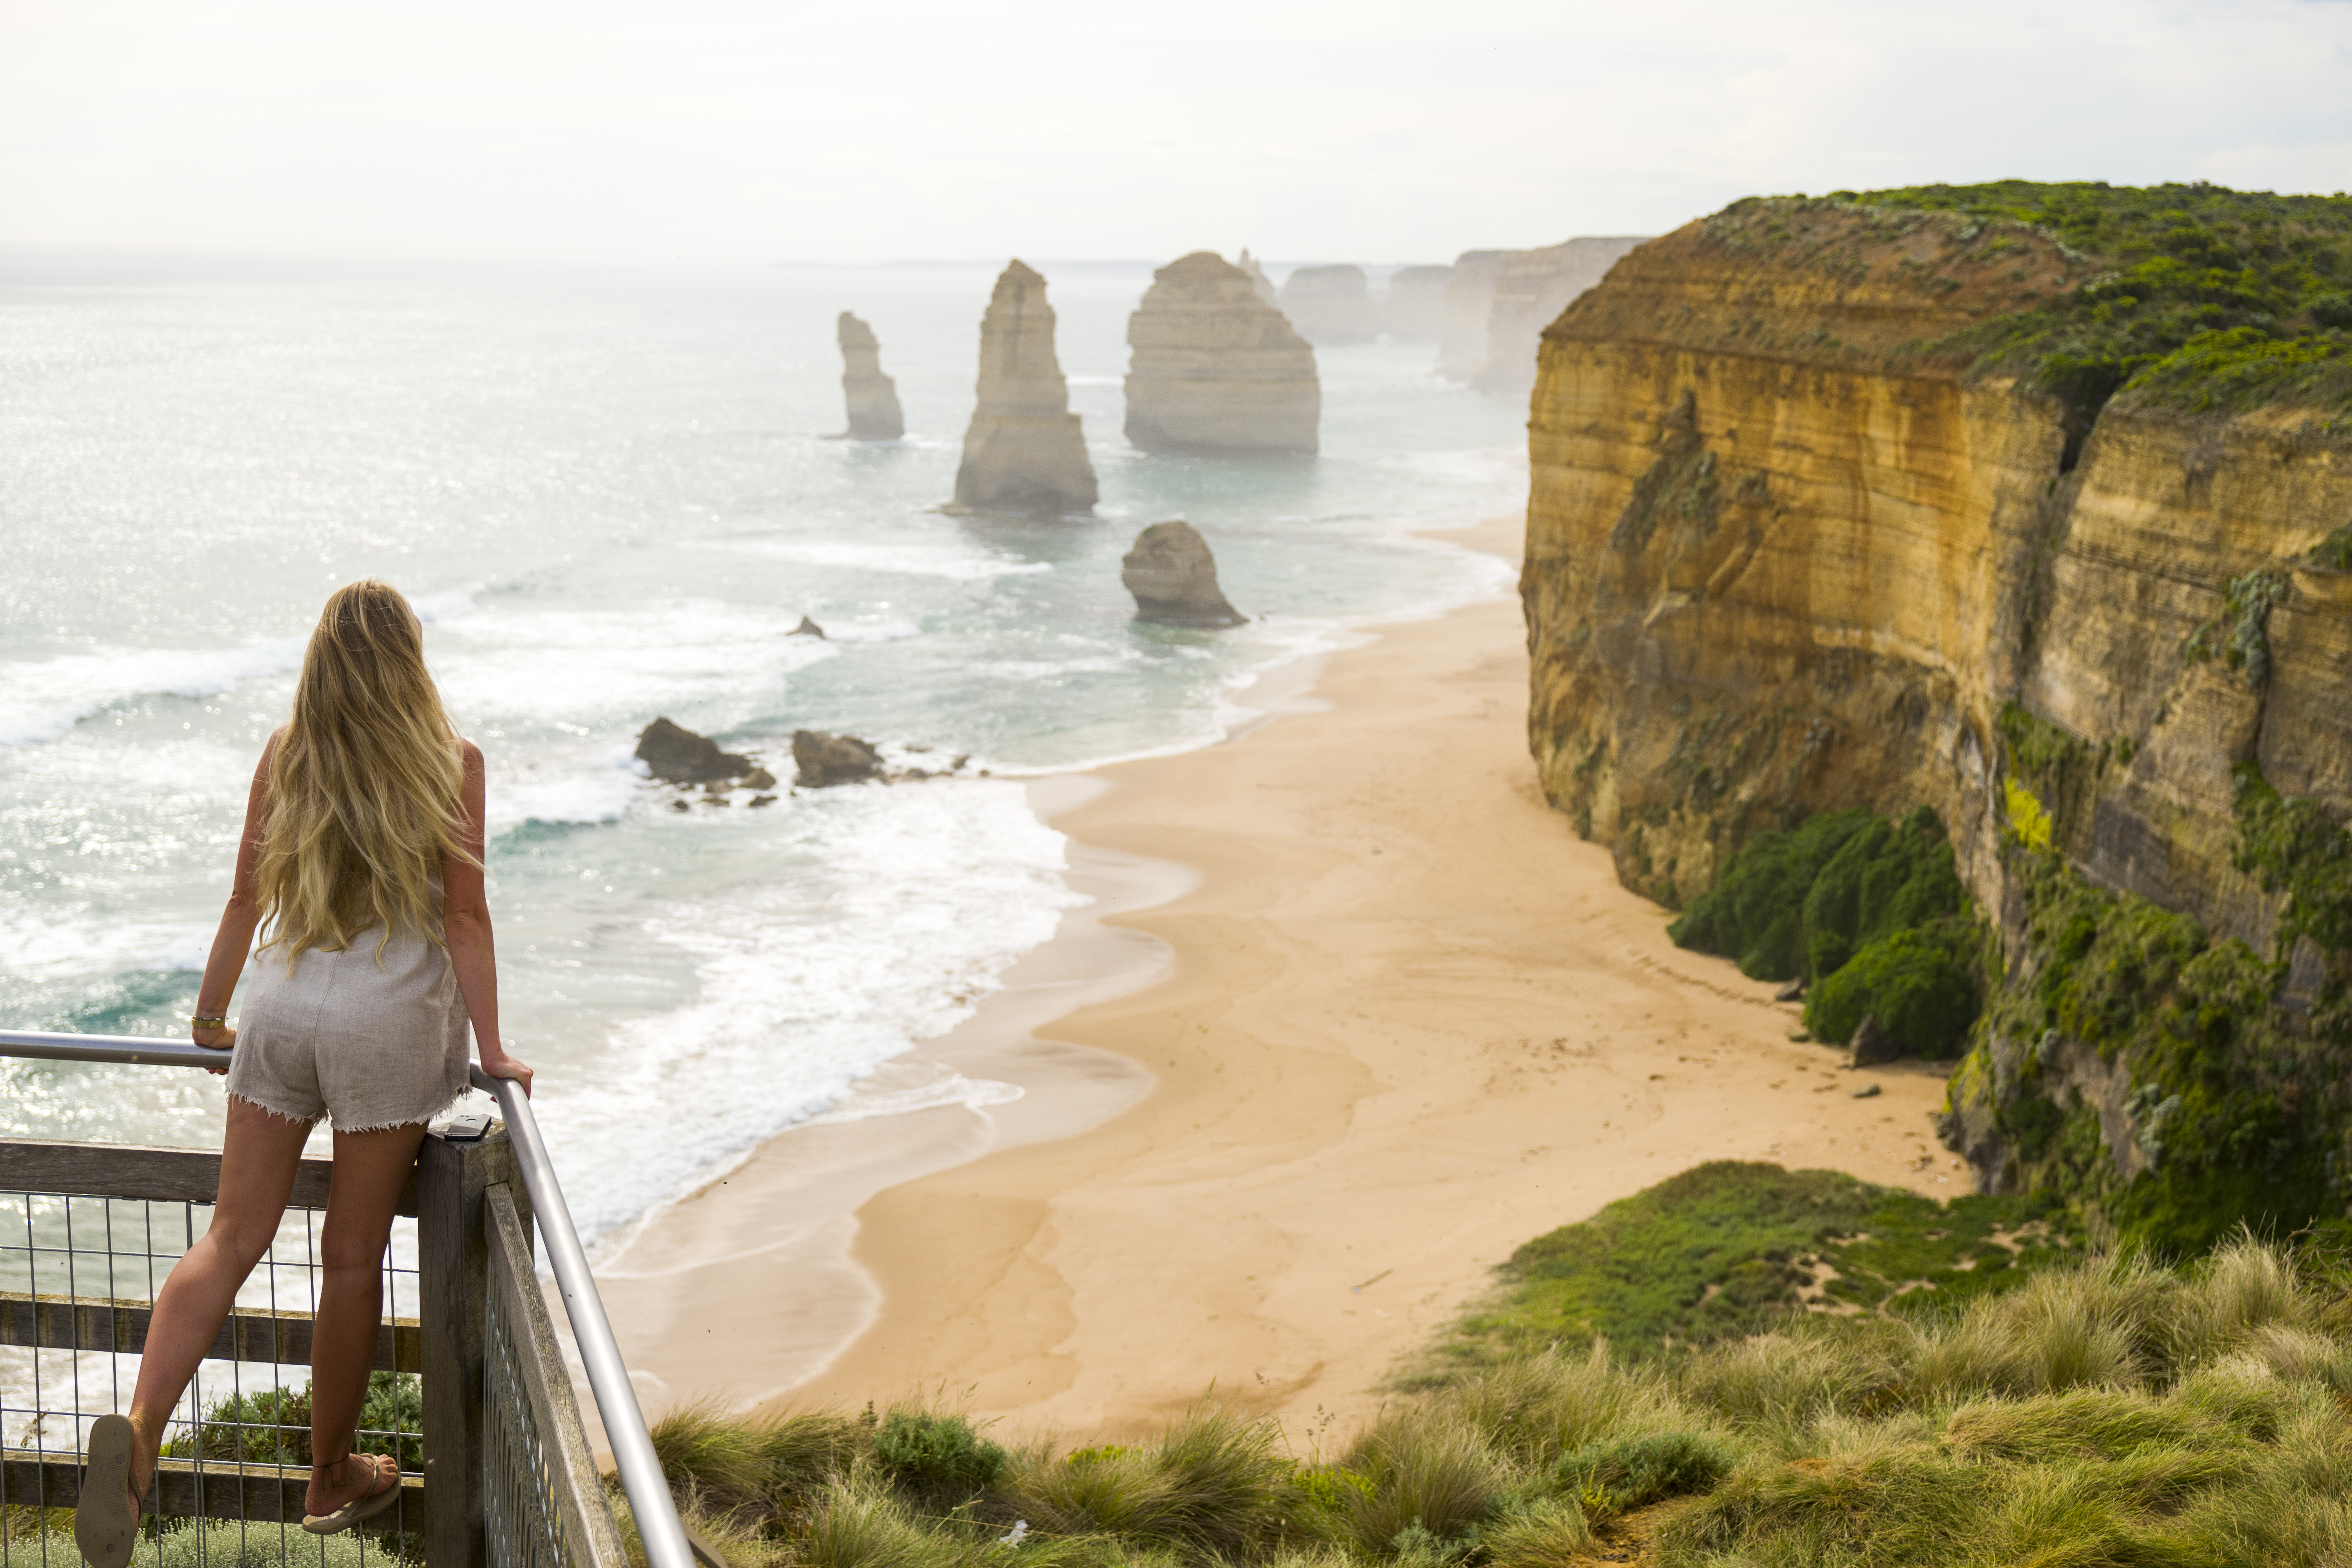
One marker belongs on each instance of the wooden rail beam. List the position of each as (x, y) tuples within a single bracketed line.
[(103, 1324), (132, 1170), (183, 1489)]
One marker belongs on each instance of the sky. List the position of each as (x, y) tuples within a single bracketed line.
[(711, 132)]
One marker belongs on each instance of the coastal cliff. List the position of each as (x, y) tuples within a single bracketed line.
[(1331, 304), (1023, 450), (1836, 503), (1529, 287), (1215, 368)]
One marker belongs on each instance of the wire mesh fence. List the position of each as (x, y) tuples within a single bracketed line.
[(78, 1276)]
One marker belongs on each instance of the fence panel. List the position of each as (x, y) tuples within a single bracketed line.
[(88, 1235), (543, 1506)]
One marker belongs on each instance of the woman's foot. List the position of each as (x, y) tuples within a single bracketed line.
[(349, 1489), (348, 1479), (106, 1514)]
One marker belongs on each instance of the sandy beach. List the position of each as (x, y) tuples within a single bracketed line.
[(1354, 1014)]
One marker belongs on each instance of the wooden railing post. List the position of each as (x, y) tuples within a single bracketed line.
[(452, 1266)]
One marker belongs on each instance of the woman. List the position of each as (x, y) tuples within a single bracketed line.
[(362, 852)]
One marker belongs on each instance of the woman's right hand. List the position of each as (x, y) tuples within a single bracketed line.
[(505, 1066)]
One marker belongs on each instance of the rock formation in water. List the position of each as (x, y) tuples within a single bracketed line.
[(1531, 289), (873, 397), (1469, 301), (676, 754), (807, 628), (822, 760), (1174, 578), (1258, 279), (1025, 451), (1331, 304), (1414, 305), (1217, 369), (1781, 559)]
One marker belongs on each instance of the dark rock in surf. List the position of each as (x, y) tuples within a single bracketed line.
[(676, 754), (824, 760), (1174, 578), (807, 628)]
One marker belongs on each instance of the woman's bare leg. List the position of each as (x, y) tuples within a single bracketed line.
[(370, 1170), (259, 1154)]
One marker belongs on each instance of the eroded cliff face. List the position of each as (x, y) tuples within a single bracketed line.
[(1781, 560), (1530, 289)]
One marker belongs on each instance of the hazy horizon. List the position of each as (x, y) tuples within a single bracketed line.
[(621, 131)]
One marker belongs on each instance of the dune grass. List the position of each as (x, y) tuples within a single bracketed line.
[(2092, 1410)]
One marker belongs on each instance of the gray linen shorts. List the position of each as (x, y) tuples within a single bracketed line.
[(369, 1043)]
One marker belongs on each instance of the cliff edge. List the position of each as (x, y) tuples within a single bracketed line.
[(1860, 503)]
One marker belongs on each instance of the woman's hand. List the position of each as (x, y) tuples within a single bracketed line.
[(214, 1038), (502, 1065)]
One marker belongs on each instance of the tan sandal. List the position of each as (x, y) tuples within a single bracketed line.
[(366, 1506), (106, 1515)]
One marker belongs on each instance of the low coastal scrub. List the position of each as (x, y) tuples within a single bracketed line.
[(2214, 299), (2088, 1410), (1870, 911), (1734, 1248)]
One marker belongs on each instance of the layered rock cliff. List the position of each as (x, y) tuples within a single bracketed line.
[(873, 397), (1414, 304), (1258, 279), (1469, 301), (1331, 304), (1024, 450), (1793, 548), (1215, 368), (1529, 288)]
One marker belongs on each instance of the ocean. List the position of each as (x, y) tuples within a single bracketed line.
[(612, 497)]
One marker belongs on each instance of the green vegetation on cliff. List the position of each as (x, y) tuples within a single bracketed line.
[(1869, 911), (2131, 1068), (2216, 299), (2090, 1412)]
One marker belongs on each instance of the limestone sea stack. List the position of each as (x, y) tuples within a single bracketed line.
[(1469, 301), (1025, 451), (1331, 304), (1414, 305), (1217, 369), (1258, 279), (873, 397), (1531, 289), (1174, 578)]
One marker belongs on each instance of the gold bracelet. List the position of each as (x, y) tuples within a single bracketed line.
[(201, 1023)]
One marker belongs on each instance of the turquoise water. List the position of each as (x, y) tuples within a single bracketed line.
[(612, 497)]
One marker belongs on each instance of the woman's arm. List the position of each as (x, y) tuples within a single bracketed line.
[(465, 924), (233, 942)]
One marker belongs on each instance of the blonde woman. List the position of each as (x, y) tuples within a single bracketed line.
[(362, 862)]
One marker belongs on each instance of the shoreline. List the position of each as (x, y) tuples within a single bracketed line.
[(1345, 1024)]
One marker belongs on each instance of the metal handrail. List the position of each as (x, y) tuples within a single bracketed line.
[(608, 1377)]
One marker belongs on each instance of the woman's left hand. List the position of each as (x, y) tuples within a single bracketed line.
[(214, 1039)]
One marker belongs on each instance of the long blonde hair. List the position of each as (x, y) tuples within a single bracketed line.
[(364, 790)]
